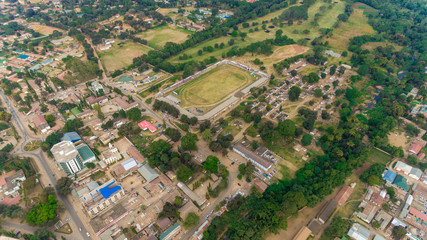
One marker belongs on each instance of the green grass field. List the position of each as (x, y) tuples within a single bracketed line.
[(329, 14), (158, 37), (376, 156), (121, 55), (210, 88), (356, 25)]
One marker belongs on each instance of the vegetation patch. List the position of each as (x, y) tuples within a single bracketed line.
[(356, 25), (121, 55), (66, 229), (33, 145), (377, 156), (158, 37)]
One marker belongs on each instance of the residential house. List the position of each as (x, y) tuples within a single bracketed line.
[(41, 123), (9, 186), (92, 101), (123, 104)]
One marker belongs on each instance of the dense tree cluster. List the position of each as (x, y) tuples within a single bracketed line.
[(372, 176), (166, 107), (43, 213), (254, 216)]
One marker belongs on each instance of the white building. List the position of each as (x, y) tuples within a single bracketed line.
[(66, 154), (9, 186)]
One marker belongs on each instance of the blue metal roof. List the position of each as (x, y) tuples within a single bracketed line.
[(107, 192), (390, 176), (71, 136)]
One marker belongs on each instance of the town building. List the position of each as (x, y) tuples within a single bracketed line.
[(102, 198), (92, 101), (327, 211), (148, 173), (257, 160), (415, 173), (389, 176), (303, 234), (72, 137), (41, 124), (125, 168), (86, 154), (110, 155), (134, 152), (193, 196), (66, 154), (400, 182), (343, 195), (97, 88), (171, 232), (147, 125), (415, 148), (359, 232), (9, 186), (123, 104), (103, 222)]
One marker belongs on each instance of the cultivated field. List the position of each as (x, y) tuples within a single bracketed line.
[(208, 89), (120, 55), (158, 37), (356, 25)]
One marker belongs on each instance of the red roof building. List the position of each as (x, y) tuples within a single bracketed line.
[(147, 125), (417, 213), (343, 195), (134, 152), (415, 148), (40, 122)]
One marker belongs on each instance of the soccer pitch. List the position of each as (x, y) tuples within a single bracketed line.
[(207, 90)]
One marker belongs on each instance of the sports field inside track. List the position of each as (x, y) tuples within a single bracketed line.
[(207, 90)]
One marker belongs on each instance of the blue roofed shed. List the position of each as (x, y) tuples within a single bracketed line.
[(107, 191), (390, 176), (72, 137)]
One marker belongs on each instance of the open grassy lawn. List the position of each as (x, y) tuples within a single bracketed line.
[(356, 25), (288, 154), (328, 16), (216, 53), (121, 54), (326, 20), (158, 37), (376, 156), (279, 53), (33, 145), (213, 86), (43, 29)]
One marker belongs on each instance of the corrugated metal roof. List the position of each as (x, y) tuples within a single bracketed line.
[(130, 163)]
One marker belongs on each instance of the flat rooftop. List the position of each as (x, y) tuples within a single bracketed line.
[(64, 151)]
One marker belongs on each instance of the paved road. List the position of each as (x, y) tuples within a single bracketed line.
[(231, 177), (41, 159)]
